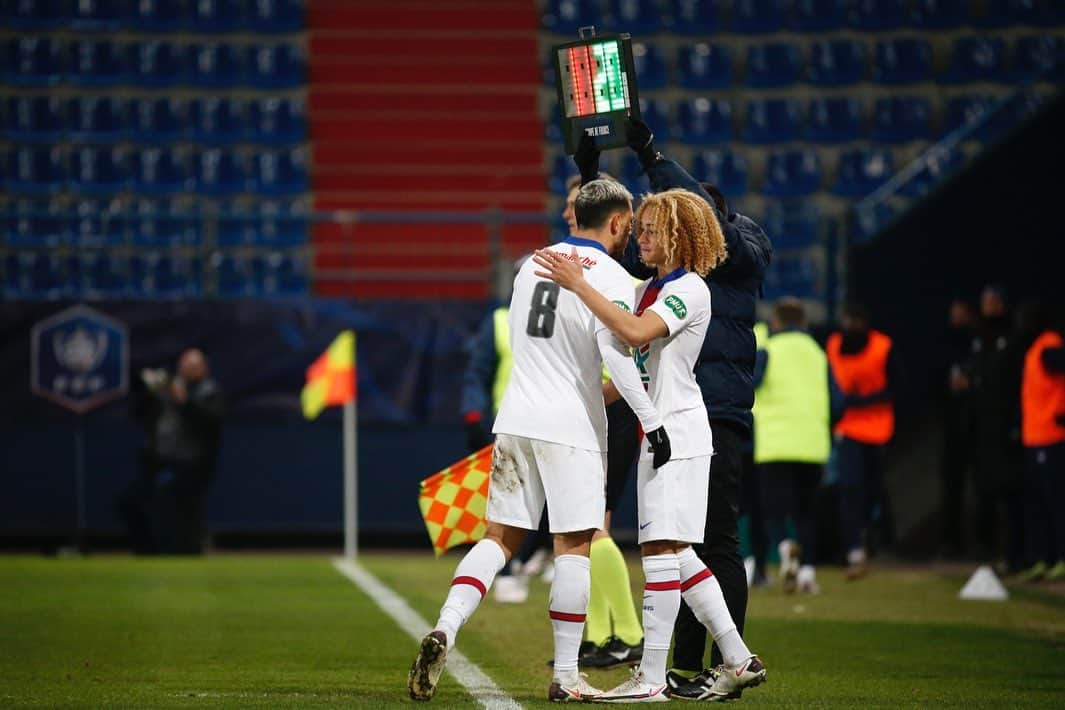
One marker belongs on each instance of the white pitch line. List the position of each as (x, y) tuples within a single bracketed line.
[(469, 676)]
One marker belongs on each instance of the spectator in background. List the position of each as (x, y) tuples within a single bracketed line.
[(957, 425), (867, 370), (1043, 436), (182, 419), (795, 397)]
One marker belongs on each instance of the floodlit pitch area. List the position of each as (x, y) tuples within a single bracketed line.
[(291, 631)]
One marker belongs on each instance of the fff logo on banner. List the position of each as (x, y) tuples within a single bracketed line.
[(80, 359)]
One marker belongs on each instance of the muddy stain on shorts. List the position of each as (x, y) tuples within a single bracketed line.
[(505, 472)]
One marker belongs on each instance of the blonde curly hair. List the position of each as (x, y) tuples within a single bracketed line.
[(688, 226)]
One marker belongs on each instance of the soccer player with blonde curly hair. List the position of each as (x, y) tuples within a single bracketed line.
[(680, 237)]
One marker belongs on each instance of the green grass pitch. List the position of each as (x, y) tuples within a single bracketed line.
[(258, 631)]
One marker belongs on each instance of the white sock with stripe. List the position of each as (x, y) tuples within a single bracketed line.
[(661, 602), (473, 577), (701, 591), (568, 608)]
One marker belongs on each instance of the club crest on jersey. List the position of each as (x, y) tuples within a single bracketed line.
[(676, 305)]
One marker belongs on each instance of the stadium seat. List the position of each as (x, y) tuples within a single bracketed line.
[(160, 171), (759, 16), (704, 66), (212, 16), (868, 223), (34, 14), (279, 172), (877, 15), (154, 63), (791, 276), (97, 119), (35, 275), (565, 16), (772, 120), (36, 223), (157, 15), (818, 15), (650, 66), (724, 168), (214, 65), (835, 119), (1039, 56), (98, 224), (219, 172), (655, 116), (562, 169), (773, 64), (696, 17), (282, 224), (94, 62), (938, 14), (938, 165), (161, 223), (97, 15), (33, 61), (631, 173), (966, 110), (235, 224), (702, 121), (157, 275), (284, 275), (158, 120), (861, 171), (275, 66), (898, 119), (977, 59), (233, 275), (638, 17), (270, 16), (217, 120), (1007, 13), (98, 170), (35, 170), (33, 118), (902, 61), (791, 225), (792, 173), (102, 275), (277, 121), (836, 63)]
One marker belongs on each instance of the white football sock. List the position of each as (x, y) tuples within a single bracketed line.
[(568, 608), (701, 591), (661, 602), (473, 577)]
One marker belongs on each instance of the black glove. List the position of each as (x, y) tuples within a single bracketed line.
[(659, 441), (587, 158), (1060, 419), (476, 437), (642, 142)]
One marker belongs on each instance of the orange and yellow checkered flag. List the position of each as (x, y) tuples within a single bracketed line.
[(453, 501)]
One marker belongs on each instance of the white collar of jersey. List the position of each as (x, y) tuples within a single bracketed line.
[(581, 242)]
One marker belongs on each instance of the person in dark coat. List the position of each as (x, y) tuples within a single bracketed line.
[(957, 425)]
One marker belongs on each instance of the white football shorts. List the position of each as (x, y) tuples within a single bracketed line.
[(672, 499), (526, 472)]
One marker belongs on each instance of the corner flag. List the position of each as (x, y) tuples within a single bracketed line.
[(331, 378), (453, 501)]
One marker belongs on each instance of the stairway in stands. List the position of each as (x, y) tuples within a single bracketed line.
[(422, 106)]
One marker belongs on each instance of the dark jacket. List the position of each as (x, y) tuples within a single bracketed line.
[(187, 434), (480, 372), (725, 370)]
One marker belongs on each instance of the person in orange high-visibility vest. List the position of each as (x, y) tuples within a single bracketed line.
[(866, 369), (1043, 436)]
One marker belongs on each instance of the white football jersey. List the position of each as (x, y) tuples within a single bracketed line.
[(667, 364), (556, 387)]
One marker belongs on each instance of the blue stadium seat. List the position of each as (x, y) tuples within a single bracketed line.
[(271, 16), (282, 224), (868, 223), (818, 15), (276, 66), (565, 16), (977, 59), (704, 66), (158, 120), (98, 170), (902, 61), (836, 62), (233, 275), (160, 171), (791, 225), (220, 172), (158, 275), (696, 17), (938, 14), (155, 63), (235, 224), (639, 17), (1039, 56), (1007, 13), (835, 119), (97, 119), (861, 171), (35, 275), (279, 172), (158, 15), (650, 66), (968, 109), (33, 118), (562, 169), (36, 223), (773, 64), (217, 120), (702, 121), (631, 173), (35, 170), (760, 16), (33, 61), (794, 276), (877, 15), (97, 15), (102, 275), (285, 275), (772, 120), (95, 62), (898, 119), (278, 121), (217, 15), (658, 118), (33, 14), (161, 223), (939, 164), (98, 223), (214, 65), (724, 168), (792, 173)]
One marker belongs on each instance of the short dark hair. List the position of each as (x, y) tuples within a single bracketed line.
[(717, 196), (597, 200), (790, 312), (856, 310)]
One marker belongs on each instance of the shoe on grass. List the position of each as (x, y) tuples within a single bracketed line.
[(425, 673), (636, 690), (698, 688), (582, 691), (614, 652), (750, 673)]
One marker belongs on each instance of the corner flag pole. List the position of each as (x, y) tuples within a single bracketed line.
[(351, 474)]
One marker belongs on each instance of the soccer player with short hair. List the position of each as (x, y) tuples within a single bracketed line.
[(551, 440), (680, 236)]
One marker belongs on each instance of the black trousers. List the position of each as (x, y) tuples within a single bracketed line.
[(790, 490), (720, 550), (1044, 503), (163, 507)]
